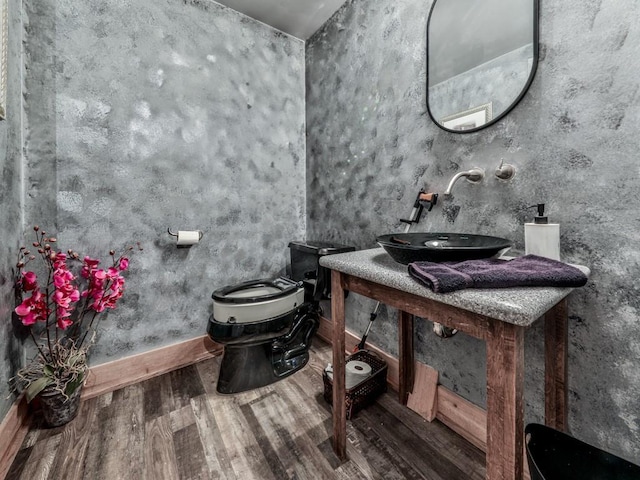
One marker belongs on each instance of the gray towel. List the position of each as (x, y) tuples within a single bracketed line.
[(526, 271)]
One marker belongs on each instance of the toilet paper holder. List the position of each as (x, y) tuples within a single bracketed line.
[(190, 233)]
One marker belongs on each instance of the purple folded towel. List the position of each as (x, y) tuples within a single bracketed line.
[(526, 271)]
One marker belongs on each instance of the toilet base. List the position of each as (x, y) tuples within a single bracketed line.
[(248, 366)]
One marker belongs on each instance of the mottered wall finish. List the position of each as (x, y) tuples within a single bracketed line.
[(11, 335), (574, 141), (145, 115)]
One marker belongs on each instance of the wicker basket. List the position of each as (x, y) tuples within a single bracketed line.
[(365, 392)]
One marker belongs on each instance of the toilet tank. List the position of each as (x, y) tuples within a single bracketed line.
[(305, 266)]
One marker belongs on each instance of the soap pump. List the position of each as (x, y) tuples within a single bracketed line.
[(541, 237)]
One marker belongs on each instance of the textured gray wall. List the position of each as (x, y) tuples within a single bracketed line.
[(574, 142), (10, 208), (154, 114)]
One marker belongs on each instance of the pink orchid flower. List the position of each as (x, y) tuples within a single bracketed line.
[(89, 265), (29, 281), (33, 309), (64, 323), (66, 294)]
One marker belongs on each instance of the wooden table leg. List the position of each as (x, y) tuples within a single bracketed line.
[(339, 405), (405, 354), (505, 408), (555, 354)]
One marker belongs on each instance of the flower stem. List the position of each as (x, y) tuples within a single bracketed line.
[(33, 337), (47, 327), (95, 314)]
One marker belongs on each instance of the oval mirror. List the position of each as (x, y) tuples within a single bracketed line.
[(481, 58)]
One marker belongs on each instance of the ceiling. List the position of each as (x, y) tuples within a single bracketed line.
[(300, 18)]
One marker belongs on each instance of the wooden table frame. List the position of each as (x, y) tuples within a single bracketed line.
[(505, 366)]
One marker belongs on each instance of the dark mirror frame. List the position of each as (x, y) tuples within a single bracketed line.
[(534, 67)]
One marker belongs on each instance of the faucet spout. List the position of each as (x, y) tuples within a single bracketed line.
[(474, 175)]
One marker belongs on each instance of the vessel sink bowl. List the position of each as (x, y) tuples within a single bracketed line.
[(441, 247)]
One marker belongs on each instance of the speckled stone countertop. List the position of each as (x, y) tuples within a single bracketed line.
[(520, 306)]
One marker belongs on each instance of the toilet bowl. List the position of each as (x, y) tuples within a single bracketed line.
[(266, 325)]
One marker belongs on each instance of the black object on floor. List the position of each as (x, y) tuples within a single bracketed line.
[(266, 325), (554, 455), (364, 393), (260, 353)]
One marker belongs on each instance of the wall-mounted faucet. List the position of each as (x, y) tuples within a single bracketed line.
[(474, 175)]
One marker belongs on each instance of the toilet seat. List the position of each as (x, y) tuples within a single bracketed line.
[(256, 300)]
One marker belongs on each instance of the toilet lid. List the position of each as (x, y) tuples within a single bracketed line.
[(255, 291)]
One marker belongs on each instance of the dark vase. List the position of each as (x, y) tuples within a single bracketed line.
[(57, 409)]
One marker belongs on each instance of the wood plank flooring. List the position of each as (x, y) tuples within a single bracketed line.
[(177, 427)]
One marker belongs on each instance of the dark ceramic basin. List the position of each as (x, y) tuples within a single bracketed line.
[(440, 247)]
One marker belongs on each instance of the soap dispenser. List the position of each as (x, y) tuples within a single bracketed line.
[(541, 237)]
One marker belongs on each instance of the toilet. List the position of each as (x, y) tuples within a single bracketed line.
[(266, 325)]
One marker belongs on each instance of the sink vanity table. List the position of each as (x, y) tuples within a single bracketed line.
[(498, 316)]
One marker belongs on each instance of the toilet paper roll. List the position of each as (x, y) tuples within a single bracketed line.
[(188, 237), (355, 372)]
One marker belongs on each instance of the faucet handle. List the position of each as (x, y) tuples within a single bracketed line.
[(505, 171), (422, 199), (430, 199)]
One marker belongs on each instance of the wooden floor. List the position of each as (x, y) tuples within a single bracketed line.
[(177, 427)]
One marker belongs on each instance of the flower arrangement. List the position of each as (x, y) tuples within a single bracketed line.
[(61, 311)]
